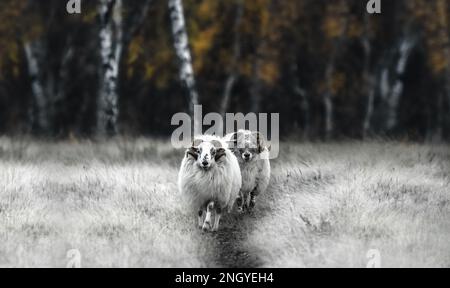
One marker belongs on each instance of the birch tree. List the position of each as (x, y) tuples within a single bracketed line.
[(368, 76), (392, 84), (39, 114), (48, 68), (111, 33), (336, 25), (182, 50)]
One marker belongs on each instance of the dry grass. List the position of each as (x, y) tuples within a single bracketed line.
[(118, 204)]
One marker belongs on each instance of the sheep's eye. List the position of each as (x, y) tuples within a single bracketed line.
[(213, 152)]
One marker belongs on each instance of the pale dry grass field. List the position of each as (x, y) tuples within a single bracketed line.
[(327, 205)]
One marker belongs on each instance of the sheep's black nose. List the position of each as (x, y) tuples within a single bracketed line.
[(246, 155), (205, 163)]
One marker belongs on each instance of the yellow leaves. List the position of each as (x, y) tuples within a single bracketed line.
[(246, 67), (438, 62), (150, 59), (269, 72), (257, 18), (163, 79), (336, 19), (13, 52), (135, 50), (206, 8), (434, 19), (204, 26), (149, 71), (10, 56), (332, 27), (201, 44)]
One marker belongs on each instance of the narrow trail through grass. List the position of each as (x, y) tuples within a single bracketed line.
[(326, 206)]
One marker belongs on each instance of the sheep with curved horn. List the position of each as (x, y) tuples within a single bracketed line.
[(210, 178)]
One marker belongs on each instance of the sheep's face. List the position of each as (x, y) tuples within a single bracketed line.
[(206, 154), (247, 145)]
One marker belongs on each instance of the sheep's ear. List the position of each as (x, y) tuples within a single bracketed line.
[(219, 153), (192, 152), (260, 142)]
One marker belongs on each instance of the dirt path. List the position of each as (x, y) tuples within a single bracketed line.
[(230, 243)]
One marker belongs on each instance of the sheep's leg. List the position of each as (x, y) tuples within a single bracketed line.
[(247, 201), (252, 199), (207, 223), (217, 218), (240, 202), (200, 218)]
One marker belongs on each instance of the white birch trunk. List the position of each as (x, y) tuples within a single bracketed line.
[(40, 113), (181, 45), (396, 91), (110, 12), (368, 78)]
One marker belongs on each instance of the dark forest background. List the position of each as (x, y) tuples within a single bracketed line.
[(329, 68)]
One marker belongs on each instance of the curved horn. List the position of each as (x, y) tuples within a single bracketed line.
[(197, 142)]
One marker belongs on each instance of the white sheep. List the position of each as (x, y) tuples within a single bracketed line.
[(252, 153), (210, 178)]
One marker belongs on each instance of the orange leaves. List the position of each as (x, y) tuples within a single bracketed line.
[(335, 20), (135, 49), (332, 27), (438, 61), (206, 9), (257, 18), (269, 72), (134, 52), (201, 44), (432, 16), (203, 28)]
